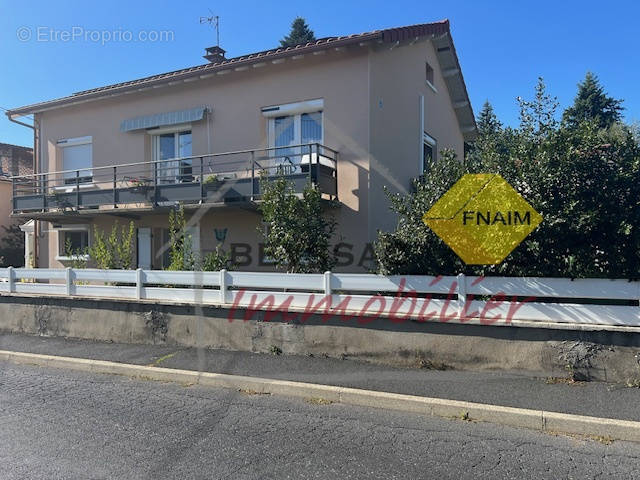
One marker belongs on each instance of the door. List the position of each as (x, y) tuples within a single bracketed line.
[(287, 131), (144, 248), (173, 151)]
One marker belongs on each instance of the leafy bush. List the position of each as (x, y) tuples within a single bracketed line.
[(582, 178), (12, 247), (115, 251), (298, 232), (181, 254), (217, 260)]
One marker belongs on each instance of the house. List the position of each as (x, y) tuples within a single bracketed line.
[(14, 160), (352, 114)]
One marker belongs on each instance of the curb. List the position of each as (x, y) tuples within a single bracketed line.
[(515, 417)]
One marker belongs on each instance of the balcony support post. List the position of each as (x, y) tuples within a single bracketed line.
[(202, 198), (77, 190), (310, 163), (115, 191), (253, 175), (154, 201)]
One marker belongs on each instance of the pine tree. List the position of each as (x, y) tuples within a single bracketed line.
[(593, 104), (300, 34), (488, 123)]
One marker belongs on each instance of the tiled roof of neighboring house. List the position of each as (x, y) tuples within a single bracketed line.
[(390, 35)]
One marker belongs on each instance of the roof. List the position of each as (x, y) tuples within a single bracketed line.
[(437, 30)]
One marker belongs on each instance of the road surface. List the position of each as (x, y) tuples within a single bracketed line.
[(57, 423)]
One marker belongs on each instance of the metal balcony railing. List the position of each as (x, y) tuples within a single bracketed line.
[(212, 178)]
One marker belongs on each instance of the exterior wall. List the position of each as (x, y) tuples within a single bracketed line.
[(397, 87), (236, 123), (371, 116)]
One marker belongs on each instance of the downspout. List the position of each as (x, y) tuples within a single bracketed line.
[(36, 157)]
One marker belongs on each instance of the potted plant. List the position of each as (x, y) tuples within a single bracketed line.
[(139, 185)]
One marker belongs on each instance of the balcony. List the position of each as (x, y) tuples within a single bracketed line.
[(218, 179)]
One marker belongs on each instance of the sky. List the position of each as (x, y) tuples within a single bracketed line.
[(52, 49)]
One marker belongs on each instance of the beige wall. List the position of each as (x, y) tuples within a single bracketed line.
[(398, 85), (371, 116)]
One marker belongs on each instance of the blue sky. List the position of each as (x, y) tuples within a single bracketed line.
[(503, 46)]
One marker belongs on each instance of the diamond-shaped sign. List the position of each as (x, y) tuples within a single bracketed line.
[(482, 218)]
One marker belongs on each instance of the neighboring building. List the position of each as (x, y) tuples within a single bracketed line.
[(370, 110), (14, 160)]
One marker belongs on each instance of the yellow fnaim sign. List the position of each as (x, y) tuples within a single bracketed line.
[(482, 218)]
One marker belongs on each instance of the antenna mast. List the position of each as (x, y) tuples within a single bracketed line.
[(214, 21)]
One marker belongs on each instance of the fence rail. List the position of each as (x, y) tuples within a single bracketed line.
[(483, 300)]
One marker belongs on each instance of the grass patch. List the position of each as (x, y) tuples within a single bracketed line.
[(318, 401), (248, 391), (158, 361)]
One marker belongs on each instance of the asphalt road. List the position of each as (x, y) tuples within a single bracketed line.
[(499, 388), (58, 423)]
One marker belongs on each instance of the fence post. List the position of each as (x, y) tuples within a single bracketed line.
[(12, 279), (223, 286), (68, 280), (327, 284), (139, 283), (462, 293)]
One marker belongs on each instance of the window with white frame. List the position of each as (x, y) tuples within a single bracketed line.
[(172, 150), (294, 124), (77, 159), (429, 149), (73, 242)]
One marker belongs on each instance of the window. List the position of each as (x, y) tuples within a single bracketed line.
[(429, 145), (175, 146), (429, 72), (294, 124), (72, 240), (77, 160), (430, 77)]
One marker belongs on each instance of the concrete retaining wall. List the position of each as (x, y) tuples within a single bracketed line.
[(596, 355)]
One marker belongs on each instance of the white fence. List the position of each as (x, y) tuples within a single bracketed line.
[(362, 297)]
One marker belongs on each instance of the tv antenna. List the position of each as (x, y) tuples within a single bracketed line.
[(214, 21)]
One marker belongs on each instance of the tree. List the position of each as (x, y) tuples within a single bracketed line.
[(12, 247), (538, 116), (593, 104), (298, 233), (487, 121), (583, 180), (300, 34)]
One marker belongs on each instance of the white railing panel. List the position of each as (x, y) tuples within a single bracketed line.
[(106, 291), (47, 288), (298, 281), (555, 287), (189, 295), (376, 283), (163, 277), (39, 273), (559, 313), (418, 309), (274, 300), (107, 276)]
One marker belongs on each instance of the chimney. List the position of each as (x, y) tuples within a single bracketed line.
[(215, 54)]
